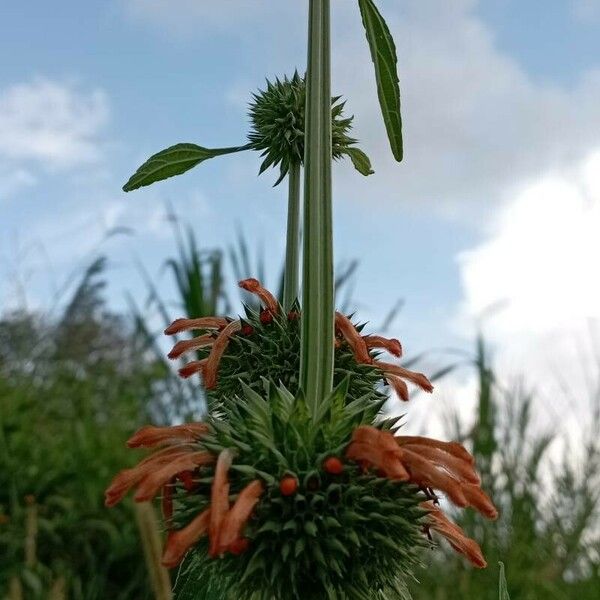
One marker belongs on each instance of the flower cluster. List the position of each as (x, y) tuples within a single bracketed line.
[(301, 504)]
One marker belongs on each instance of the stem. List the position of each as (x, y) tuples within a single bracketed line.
[(291, 276), (316, 359), (151, 542)]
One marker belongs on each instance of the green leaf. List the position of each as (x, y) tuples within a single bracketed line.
[(503, 594), (360, 160), (174, 161), (383, 54)]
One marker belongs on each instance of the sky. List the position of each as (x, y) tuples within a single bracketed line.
[(490, 222)]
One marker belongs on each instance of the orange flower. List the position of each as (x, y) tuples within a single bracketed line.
[(179, 542), (212, 364), (431, 464), (345, 327), (236, 518), (446, 468), (219, 499), (464, 545), (150, 436), (254, 286), (392, 345), (205, 323), (194, 344), (377, 448), (418, 379)]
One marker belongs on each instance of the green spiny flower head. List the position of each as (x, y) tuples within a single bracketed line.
[(277, 121), (323, 527)]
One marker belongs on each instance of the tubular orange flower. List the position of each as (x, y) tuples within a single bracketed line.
[(255, 287), (418, 379), (466, 546), (193, 367), (212, 364), (431, 464), (344, 325), (219, 499), (207, 323), (179, 542), (399, 386), (240, 512), (152, 483), (392, 345), (187, 345), (150, 436)]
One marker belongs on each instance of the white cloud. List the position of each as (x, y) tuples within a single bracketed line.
[(539, 268), (54, 124)]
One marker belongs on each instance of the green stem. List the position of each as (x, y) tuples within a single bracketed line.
[(316, 359), (291, 276)]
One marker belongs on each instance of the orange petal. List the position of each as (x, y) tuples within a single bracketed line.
[(458, 467), (212, 363), (392, 345), (239, 514), (151, 484), (193, 367), (150, 436), (366, 434), (399, 386), (426, 474), (219, 499), (453, 448), (179, 542), (344, 325), (478, 499), (455, 535), (195, 343), (179, 325), (255, 287), (418, 379), (129, 478)]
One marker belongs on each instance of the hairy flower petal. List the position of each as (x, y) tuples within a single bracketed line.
[(219, 499), (212, 363), (455, 535), (195, 343), (150, 436), (453, 448), (179, 325), (418, 379), (239, 514), (344, 325), (392, 345), (151, 484), (255, 287), (179, 542)]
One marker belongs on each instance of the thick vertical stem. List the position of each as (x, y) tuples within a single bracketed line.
[(316, 361), (291, 276), (151, 542)]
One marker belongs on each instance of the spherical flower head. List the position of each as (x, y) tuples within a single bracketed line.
[(277, 124)]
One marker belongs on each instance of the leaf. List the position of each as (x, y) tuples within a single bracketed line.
[(503, 593), (174, 161), (360, 161), (383, 54)]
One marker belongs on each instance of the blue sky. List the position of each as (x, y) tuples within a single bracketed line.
[(501, 114)]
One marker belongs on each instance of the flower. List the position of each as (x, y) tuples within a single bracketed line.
[(432, 465), (223, 524)]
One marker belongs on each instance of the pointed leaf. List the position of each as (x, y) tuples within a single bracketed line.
[(174, 161), (383, 54)]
